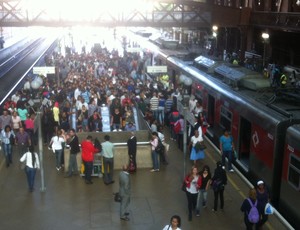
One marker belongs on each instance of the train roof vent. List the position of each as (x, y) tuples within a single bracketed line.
[(205, 63), (230, 75)]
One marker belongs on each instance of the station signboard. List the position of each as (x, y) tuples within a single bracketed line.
[(157, 69), (44, 70)]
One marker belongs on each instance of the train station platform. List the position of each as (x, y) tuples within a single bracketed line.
[(69, 203)]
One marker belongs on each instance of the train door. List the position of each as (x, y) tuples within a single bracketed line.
[(210, 116), (244, 142), (210, 110)]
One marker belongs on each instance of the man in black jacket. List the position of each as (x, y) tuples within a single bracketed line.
[(74, 149), (131, 143)]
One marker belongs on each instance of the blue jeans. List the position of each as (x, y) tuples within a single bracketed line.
[(202, 196), (116, 126), (155, 161), (7, 150), (30, 172), (108, 166), (228, 155), (161, 115), (58, 154), (72, 164)]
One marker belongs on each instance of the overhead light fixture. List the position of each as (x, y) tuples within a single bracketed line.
[(298, 3)]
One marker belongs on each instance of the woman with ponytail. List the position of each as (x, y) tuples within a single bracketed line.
[(31, 161)]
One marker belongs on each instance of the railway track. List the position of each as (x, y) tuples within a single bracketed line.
[(15, 68)]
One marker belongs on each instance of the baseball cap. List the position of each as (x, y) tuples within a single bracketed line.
[(260, 182)]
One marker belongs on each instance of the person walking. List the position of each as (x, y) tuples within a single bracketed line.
[(131, 144), (175, 223), (32, 163), (196, 153), (263, 197), (125, 192), (108, 160), (202, 195), (218, 183), (192, 182), (227, 148), (8, 139), (23, 141), (74, 149), (88, 151), (56, 143), (247, 206)]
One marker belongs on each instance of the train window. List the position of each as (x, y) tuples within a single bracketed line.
[(225, 118), (294, 171)]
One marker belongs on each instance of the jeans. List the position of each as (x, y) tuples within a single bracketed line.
[(155, 114), (161, 114), (108, 165), (58, 154), (202, 196), (88, 169), (228, 155), (116, 126), (72, 164), (154, 156), (30, 172), (7, 150)]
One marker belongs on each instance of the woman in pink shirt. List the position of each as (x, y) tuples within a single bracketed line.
[(29, 126)]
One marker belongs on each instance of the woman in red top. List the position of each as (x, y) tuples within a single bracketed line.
[(88, 151), (29, 127), (193, 183)]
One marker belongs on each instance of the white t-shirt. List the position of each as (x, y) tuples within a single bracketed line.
[(57, 142), (194, 140), (167, 227)]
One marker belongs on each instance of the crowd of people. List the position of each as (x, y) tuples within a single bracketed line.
[(74, 102)]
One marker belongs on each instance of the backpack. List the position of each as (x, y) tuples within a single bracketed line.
[(160, 148), (253, 215), (177, 127)]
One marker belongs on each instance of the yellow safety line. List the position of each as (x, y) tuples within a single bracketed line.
[(237, 189)]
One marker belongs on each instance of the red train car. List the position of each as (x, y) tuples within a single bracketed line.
[(258, 127), (289, 200)]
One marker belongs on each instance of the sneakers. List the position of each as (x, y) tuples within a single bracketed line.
[(231, 170), (154, 170), (197, 213), (58, 168)]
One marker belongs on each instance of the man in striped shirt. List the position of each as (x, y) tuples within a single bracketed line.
[(154, 105)]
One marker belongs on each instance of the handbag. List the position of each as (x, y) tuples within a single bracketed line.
[(269, 210), (117, 197), (200, 146)]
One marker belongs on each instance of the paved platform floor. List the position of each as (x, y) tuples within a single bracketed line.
[(69, 203)]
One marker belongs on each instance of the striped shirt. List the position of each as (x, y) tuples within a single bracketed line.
[(154, 103), (168, 104)]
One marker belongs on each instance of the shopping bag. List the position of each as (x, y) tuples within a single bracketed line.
[(82, 168), (269, 210)]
